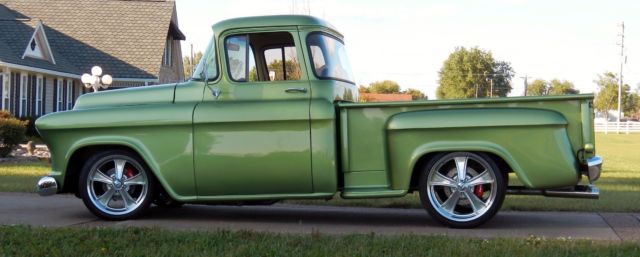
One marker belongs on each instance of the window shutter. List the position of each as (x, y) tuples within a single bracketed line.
[(44, 96), (15, 94), (11, 91), (64, 94), (2, 89), (55, 95)]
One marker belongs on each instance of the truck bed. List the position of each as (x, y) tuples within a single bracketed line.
[(526, 122)]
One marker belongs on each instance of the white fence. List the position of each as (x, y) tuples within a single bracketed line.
[(625, 127)]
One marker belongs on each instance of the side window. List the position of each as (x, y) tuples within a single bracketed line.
[(282, 63), (318, 57), (240, 59), (209, 59), (275, 59)]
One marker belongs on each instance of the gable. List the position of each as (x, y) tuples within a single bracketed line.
[(38, 46), (128, 41)]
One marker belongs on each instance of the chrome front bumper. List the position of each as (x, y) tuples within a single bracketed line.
[(47, 186), (594, 165)]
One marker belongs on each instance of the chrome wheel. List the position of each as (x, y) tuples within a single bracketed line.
[(117, 185), (462, 189)]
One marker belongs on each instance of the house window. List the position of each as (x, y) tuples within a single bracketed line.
[(22, 111), (59, 96), (167, 52), (6, 92), (69, 94), (39, 96)]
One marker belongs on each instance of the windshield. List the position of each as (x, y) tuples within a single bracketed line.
[(329, 57), (209, 59)]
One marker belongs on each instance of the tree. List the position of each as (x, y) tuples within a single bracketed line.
[(469, 73), (502, 75), (632, 105), (415, 94), (363, 89), (538, 87), (607, 97), (389, 87), (384, 87), (562, 87), (188, 66)]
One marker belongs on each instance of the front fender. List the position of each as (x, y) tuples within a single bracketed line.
[(179, 187)]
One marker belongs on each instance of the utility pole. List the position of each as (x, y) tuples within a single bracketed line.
[(491, 81), (526, 84), (191, 64), (622, 60)]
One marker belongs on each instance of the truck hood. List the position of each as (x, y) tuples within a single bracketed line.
[(127, 96)]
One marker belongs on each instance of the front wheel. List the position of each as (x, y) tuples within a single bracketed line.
[(116, 185), (462, 189)]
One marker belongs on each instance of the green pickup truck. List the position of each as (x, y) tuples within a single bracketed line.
[(272, 113)]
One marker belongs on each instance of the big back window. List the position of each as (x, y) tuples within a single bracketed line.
[(329, 58)]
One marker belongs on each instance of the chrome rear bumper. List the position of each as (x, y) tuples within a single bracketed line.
[(47, 186)]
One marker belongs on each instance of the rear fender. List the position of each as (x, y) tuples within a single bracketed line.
[(533, 142)]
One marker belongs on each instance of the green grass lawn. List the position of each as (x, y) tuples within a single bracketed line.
[(21, 177), (619, 184), (27, 241)]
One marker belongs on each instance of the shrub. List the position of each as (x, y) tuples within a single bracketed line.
[(12, 132), (31, 126)]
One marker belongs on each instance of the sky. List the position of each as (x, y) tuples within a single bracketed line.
[(408, 40)]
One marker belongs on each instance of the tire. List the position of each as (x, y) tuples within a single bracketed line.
[(467, 202), (116, 199)]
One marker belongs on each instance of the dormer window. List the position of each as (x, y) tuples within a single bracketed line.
[(38, 46), (167, 60)]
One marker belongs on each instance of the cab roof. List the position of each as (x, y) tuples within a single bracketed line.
[(271, 21)]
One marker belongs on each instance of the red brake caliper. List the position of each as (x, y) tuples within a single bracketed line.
[(478, 191), (128, 172)]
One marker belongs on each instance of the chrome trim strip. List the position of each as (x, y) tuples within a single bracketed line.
[(579, 191)]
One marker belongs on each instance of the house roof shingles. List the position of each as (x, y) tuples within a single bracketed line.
[(125, 38)]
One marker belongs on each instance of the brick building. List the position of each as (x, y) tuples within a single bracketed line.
[(46, 45)]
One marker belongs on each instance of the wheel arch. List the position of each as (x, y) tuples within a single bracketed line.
[(421, 156), (81, 151)]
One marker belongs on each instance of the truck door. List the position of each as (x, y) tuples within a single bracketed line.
[(254, 137)]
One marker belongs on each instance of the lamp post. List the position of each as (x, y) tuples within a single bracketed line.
[(96, 80)]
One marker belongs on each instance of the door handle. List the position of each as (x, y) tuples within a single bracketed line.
[(296, 90)]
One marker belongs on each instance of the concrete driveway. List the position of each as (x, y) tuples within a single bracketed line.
[(66, 210)]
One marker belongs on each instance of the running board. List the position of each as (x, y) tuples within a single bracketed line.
[(579, 191)]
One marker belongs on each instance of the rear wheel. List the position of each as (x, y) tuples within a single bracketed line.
[(116, 185), (462, 189)]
